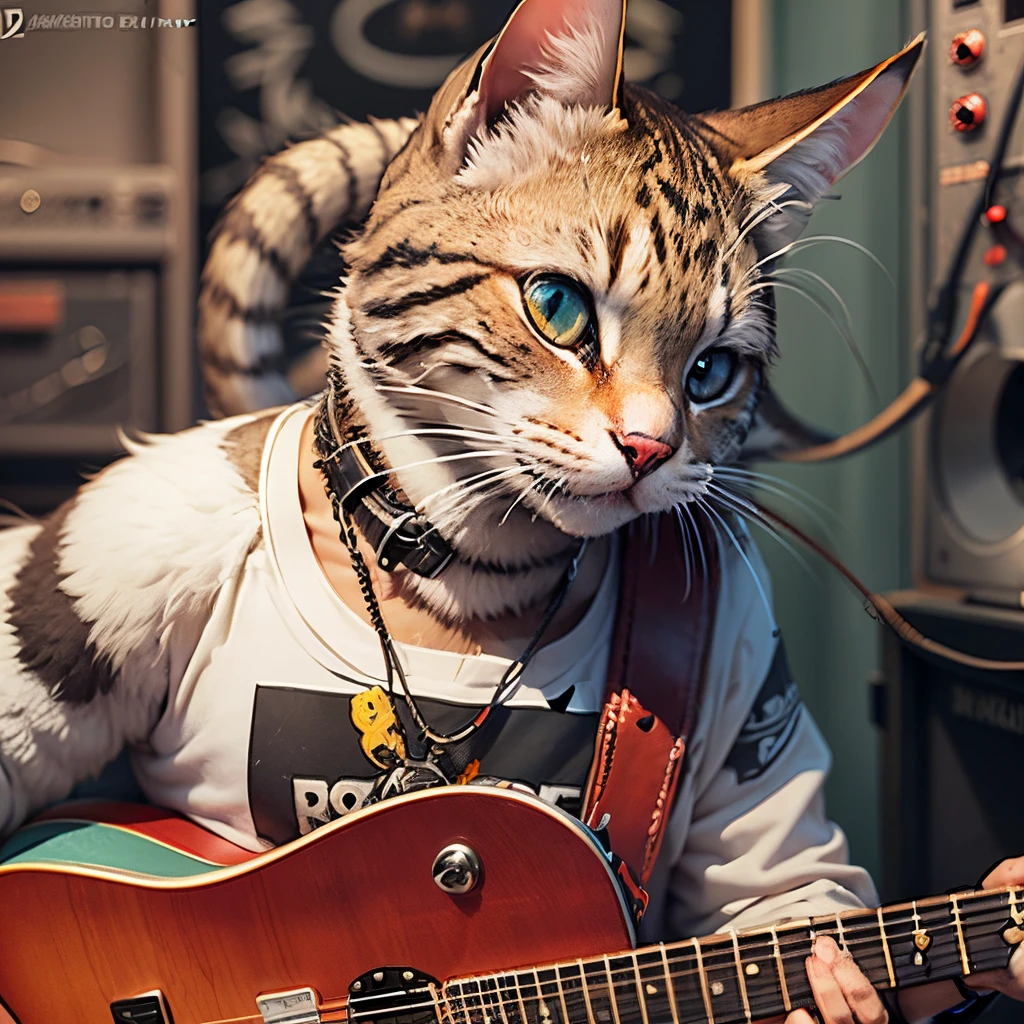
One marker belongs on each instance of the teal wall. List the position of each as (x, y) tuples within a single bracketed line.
[(833, 645)]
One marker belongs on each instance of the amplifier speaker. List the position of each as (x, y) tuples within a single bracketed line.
[(970, 474), (952, 740)]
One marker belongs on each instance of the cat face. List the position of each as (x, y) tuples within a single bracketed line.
[(572, 277)]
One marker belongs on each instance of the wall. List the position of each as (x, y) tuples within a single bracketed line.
[(832, 643)]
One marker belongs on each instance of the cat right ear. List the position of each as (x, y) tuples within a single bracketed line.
[(570, 50), (792, 150)]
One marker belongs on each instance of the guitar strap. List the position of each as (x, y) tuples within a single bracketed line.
[(662, 636)]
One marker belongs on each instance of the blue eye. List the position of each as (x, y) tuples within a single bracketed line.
[(558, 308), (711, 375)]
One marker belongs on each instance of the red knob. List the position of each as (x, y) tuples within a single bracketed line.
[(967, 47), (968, 112)]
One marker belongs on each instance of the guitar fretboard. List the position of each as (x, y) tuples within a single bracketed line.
[(736, 978)]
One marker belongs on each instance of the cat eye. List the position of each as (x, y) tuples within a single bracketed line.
[(711, 375), (558, 308)]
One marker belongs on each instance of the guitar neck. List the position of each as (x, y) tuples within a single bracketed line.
[(735, 978)]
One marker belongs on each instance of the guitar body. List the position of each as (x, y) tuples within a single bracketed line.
[(151, 908)]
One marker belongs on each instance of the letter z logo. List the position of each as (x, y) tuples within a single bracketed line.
[(13, 23)]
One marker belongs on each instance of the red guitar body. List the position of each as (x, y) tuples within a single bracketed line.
[(350, 897)]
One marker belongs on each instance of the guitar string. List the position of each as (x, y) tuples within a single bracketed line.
[(727, 963)]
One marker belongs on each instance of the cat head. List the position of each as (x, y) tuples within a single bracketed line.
[(562, 295)]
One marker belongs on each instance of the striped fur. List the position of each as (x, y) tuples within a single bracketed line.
[(264, 239)]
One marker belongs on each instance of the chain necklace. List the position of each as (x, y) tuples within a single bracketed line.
[(510, 680)]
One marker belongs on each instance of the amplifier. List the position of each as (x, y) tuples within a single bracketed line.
[(969, 505), (78, 350), (952, 739)]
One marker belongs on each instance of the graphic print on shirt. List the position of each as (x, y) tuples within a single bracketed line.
[(308, 764), (771, 722)]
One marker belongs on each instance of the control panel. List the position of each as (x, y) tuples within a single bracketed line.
[(978, 48)]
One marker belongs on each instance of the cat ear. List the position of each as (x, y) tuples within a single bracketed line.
[(570, 50), (794, 149)]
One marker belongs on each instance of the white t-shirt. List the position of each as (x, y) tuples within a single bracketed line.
[(266, 693), (179, 608)]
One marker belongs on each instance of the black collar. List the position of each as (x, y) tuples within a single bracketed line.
[(398, 534)]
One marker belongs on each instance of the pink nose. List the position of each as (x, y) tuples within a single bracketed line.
[(643, 453)]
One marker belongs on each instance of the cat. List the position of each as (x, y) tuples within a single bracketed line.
[(556, 318)]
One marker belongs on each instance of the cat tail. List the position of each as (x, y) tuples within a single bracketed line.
[(262, 242)]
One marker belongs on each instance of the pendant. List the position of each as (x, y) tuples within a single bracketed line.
[(380, 731)]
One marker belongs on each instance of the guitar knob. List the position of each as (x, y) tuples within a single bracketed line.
[(968, 112), (456, 870), (967, 47)]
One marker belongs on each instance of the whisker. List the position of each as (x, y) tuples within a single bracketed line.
[(699, 541), (812, 240), (822, 307), (757, 477), (522, 494), (769, 209), (851, 342), (752, 514), (436, 461), (412, 389), (684, 537), (794, 499), (456, 431), (757, 580), (462, 487)]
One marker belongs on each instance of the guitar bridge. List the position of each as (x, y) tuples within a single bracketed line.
[(297, 1006)]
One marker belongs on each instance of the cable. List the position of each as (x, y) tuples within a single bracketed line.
[(880, 609)]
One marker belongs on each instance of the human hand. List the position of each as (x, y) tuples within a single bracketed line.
[(841, 992), (1011, 980)]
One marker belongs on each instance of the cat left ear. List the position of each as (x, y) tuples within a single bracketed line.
[(794, 149), (570, 50)]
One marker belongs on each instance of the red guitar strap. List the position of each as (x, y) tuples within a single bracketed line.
[(657, 664)]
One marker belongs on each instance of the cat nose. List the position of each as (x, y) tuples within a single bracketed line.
[(642, 452)]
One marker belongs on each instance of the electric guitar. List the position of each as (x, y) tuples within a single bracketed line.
[(459, 905)]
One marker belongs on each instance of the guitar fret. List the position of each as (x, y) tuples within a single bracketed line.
[(480, 999), (519, 999), (703, 982), (783, 987), (641, 998), (669, 987), (739, 974), (611, 991), (543, 1013), (501, 1001), (885, 949), (586, 993), (841, 933), (561, 994), (960, 934)]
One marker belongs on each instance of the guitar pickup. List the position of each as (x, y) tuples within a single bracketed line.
[(149, 1008)]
